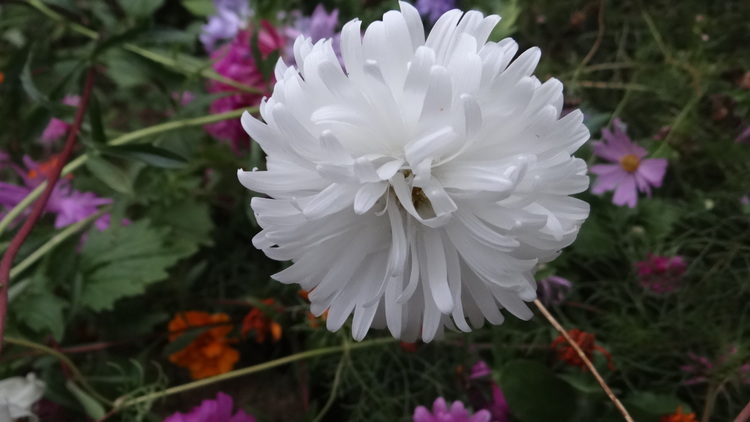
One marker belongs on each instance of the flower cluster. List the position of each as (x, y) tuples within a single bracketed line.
[(586, 341), (219, 410), (257, 321), (210, 353), (661, 274), (441, 412)]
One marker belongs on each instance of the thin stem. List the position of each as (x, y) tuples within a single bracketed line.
[(60, 237), (15, 245), (124, 402), (744, 415), (334, 389), (124, 139), (585, 359), (148, 54), (67, 362)]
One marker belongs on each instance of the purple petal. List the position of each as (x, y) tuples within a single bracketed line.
[(653, 170), (626, 194), (610, 176)]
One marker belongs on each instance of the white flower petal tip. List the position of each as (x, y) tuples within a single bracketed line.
[(418, 188)]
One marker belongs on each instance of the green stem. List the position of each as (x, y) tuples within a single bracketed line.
[(56, 240), (148, 54), (334, 389), (124, 139), (123, 402), (64, 359)]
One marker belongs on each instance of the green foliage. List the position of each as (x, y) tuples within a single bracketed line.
[(39, 308), (534, 392)]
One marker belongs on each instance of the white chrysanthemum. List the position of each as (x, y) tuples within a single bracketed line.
[(423, 184)]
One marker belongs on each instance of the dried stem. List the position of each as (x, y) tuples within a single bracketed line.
[(744, 415), (585, 359), (7, 262)]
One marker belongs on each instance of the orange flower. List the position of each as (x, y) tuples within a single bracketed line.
[(587, 343), (2, 77), (679, 417), (311, 318), (257, 321), (45, 169), (209, 353)]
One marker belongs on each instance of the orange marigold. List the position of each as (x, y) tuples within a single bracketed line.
[(257, 321), (210, 352), (587, 343), (679, 417)]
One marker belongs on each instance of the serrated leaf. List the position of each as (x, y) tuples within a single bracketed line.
[(93, 408), (123, 262), (110, 174), (149, 154), (41, 311), (535, 394), (200, 7)]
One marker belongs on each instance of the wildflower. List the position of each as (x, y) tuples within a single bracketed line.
[(631, 173), (219, 410), (320, 25), (57, 128), (422, 187), (587, 343), (661, 274), (678, 416), (231, 16), (257, 321), (210, 353), (70, 206), (235, 61), (433, 9), (701, 369), (479, 370), (496, 405), (553, 289), (456, 413), (18, 395)]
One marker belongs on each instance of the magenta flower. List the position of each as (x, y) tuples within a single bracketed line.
[(219, 410), (553, 289), (57, 128), (320, 25), (497, 405), (701, 369), (630, 173), (661, 274), (498, 408), (479, 370), (433, 9), (456, 413), (235, 61), (230, 17)]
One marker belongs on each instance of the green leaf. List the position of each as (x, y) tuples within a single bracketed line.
[(535, 394), (149, 154), (122, 262), (189, 219), (200, 7), (92, 407), (110, 174), (140, 8), (95, 116), (40, 309), (655, 404)]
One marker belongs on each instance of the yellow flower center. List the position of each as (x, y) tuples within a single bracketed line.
[(630, 163)]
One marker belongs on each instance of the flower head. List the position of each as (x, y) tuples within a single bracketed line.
[(479, 370), (587, 343), (210, 352), (442, 413), (433, 9), (553, 289), (496, 403), (235, 61), (661, 274), (219, 410), (231, 16), (261, 324), (678, 416), (57, 128), (423, 185), (631, 173), (18, 395)]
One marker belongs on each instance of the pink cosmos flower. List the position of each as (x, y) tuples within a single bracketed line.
[(318, 26), (496, 405), (456, 413), (553, 289), (219, 410), (630, 173), (700, 369), (235, 61), (661, 274), (57, 128)]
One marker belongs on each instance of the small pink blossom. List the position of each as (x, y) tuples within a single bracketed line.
[(479, 370), (219, 410), (456, 413), (57, 128), (630, 173), (701, 369), (661, 274)]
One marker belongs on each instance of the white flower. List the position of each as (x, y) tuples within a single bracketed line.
[(423, 185), (17, 395)]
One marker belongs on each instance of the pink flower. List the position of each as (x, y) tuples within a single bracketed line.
[(479, 370), (235, 61), (630, 173), (456, 413), (701, 369), (219, 410), (57, 128), (661, 274), (553, 289), (497, 405), (318, 26)]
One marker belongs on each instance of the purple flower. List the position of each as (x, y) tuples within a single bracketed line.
[(433, 9), (479, 370), (701, 369), (57, 128), (456, 413), (219, 410), (553, 289), (230, 17), (661, 274), (320, 25), (630, 173), (498, 408)]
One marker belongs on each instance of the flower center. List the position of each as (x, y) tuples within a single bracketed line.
[(418, 198), (630, 163)]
